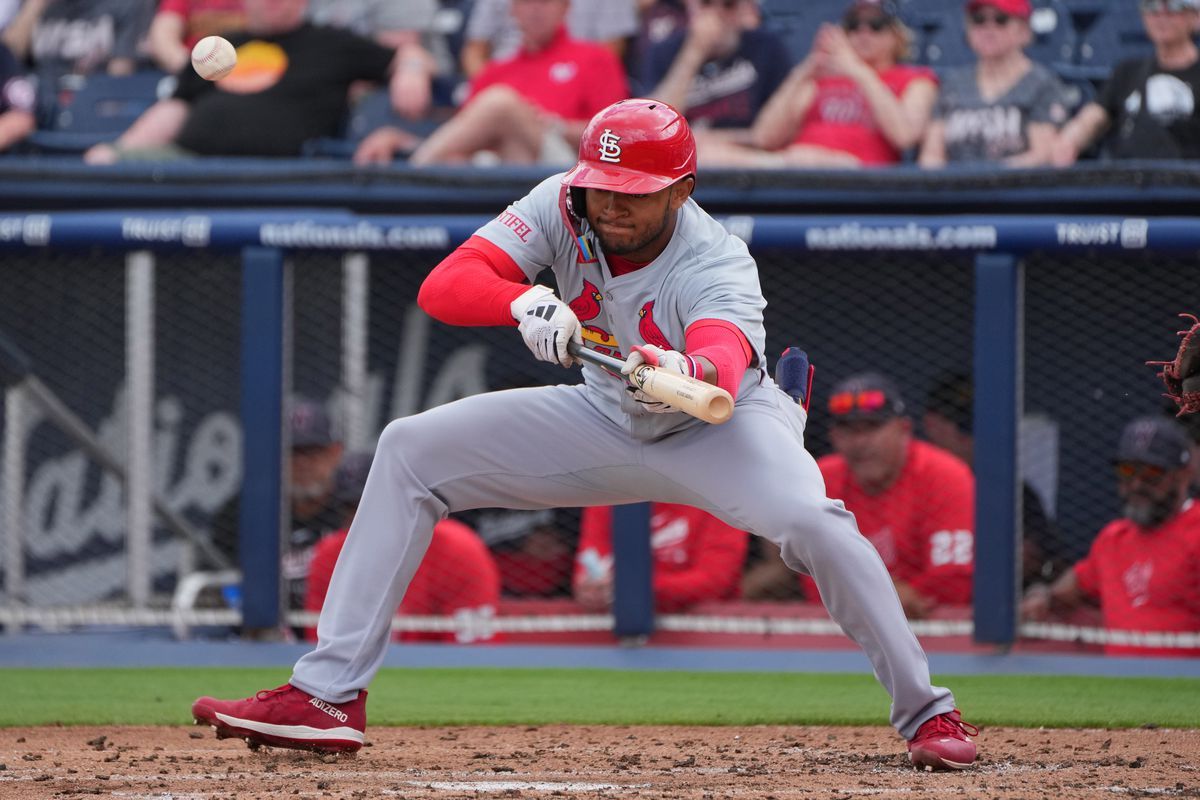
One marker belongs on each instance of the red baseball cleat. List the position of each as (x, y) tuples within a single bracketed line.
[(941, 743), (287, 717)]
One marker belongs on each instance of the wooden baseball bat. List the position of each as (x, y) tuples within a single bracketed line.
[(693, 397)]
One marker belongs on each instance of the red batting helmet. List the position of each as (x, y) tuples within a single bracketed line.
[(634, 147)]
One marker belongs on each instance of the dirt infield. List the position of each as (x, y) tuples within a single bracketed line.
[(593, 761)]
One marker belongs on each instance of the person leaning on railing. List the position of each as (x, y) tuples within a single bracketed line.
[(1148, 106), (1142, 567)]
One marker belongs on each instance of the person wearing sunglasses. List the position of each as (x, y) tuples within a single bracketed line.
[(721, 70), (1148, 107), (851, 102), (913, 501), (1004, 108), (1142, 567)]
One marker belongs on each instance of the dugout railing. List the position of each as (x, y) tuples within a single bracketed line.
[(147, 357)]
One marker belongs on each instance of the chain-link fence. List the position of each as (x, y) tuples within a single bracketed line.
[(898, 452)]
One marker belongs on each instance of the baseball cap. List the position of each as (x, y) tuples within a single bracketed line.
[(1016, 8), (953, 397), (1158, 441), (865, 396), (351, 476), (886, 8), (310, 424)]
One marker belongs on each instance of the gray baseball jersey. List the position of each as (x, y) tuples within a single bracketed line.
[(704, 273), (584, 445)]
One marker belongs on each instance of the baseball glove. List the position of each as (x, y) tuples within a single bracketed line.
[(1182, 375)]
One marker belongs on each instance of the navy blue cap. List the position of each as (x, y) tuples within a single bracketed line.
[(865, 396), (1158, 441), (310, 424)]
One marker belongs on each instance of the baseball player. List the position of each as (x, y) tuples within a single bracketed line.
[(644, 273)]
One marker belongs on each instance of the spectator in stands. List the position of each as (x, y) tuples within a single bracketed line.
[(289, 87), (16, 102), (399, 25), (914, 501), (1142, 567), (64, 41), (493, 33), (527, 109), (1002, 109), (659, 21), (849, 103), (457, 578), (720, 71), (316, 452), (1148, 106), (948, 422), (696, 558), (179, 24)]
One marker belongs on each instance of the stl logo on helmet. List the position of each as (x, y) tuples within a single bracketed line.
[(610, 147)]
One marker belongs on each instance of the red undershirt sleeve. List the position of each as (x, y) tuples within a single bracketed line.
[(474, 285), (725, 346)]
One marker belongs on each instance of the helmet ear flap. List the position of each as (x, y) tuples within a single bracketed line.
[(578, 202)]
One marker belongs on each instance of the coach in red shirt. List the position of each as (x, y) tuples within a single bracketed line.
[(914, 501), (526, 109), (1143, 568)]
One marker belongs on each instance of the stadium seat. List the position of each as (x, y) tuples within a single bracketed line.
[(372, 111), (1116, 34), (102, 108)]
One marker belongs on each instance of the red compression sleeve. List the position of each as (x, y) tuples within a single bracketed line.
[(474, 285), (725, 346)]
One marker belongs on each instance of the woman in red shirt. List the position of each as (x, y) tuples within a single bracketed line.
[(850, 103)]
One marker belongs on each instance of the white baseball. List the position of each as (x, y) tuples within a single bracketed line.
[(213, 58)]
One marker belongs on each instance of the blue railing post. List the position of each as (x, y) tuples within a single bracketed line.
[(260, 510), (633, 594), (998, 399)]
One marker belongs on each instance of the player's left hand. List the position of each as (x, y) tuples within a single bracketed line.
[(663, 359)]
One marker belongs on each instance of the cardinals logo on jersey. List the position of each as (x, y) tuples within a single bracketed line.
[(587, 306), (1137, 579), (648, 328)]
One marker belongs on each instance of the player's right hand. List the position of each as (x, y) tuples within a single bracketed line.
[(547, 325)]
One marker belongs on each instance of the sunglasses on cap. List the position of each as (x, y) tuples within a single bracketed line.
[(876, 24), (1163, 6), (980, 18), (870, 401), (1149, 473)]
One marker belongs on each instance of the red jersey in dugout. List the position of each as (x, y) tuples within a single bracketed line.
[(1147, 579), (569, 78), (923, 525), (457, 577), (841, 119), (697, 557)]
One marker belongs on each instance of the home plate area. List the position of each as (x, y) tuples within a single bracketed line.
[(557, 761)]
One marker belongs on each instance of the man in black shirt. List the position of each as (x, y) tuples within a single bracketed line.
[(1149, 104), (289, 86)]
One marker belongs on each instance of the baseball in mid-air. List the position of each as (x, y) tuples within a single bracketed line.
[(213, 58)]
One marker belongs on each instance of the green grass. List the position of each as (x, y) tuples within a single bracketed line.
[(543, 696)]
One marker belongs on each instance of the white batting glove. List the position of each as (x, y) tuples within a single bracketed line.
[(671, 360), (547, 324)]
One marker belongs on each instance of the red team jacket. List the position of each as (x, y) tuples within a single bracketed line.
[(1147, 580), (457, 577), (922, 525), (696, 556)]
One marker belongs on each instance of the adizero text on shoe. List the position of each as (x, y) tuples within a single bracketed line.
[(942, 743), (287, 717)]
